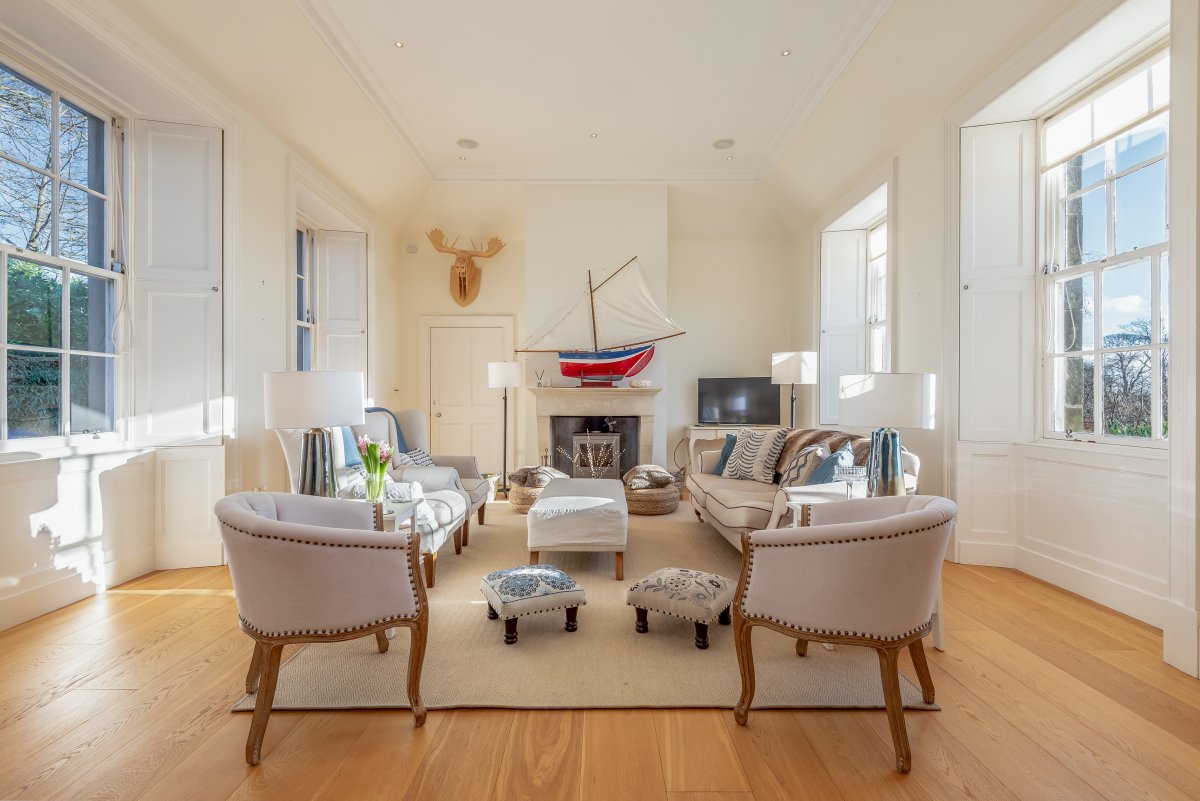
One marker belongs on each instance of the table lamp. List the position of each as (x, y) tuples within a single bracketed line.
[(794, 367), (316, 400), (502, 375), (891, 401)]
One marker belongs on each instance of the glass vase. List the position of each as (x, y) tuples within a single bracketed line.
[(375, 487)]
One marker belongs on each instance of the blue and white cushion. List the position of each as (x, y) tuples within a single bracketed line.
[(420, 458), (755, 454), (529, 589), (797, 471)]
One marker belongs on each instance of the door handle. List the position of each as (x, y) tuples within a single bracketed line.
[(437, 414)]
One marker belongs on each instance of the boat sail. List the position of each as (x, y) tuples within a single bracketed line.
[(607, 332)]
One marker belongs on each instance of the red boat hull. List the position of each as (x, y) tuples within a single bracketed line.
[(602, 368)]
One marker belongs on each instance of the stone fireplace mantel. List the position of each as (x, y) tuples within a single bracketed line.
[(597, 402)]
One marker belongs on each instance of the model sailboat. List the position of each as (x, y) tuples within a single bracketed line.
[(608, 331)]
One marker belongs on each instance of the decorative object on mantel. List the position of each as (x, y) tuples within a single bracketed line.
[(464, 275), (607, 332), (891, 401), (640, 383)]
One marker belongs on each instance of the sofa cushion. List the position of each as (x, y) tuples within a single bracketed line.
[(726, 449), (842, 457), (448, 506), (737, 509), (797, 471), (755, 454), (476, 488), (701, 484)]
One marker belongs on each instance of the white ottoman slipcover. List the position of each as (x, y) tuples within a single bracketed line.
[(580, 514)]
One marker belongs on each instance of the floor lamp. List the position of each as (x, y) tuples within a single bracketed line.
[(794, 367), (891, 401), (315, 400), (502, 375)]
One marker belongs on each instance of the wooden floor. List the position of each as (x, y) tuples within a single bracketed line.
[(1043, 695)]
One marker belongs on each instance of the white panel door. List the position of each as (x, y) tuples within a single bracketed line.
[(188, 482), (342, 300), (465, 416), (177, 203), (843, 314), (998, 358), (998, 176)]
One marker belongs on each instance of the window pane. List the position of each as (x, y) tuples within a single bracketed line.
[(1166, 375), (301, 300), (1160, 81), (34, 394), (1085, 169), (91, 393), (1121, 104), (80, 154), (1073, 406), (303, 348), (24, 207), (91, 321), (877, 241), (34, 304), (1086, 237), (1164, 297), (1141, 208), (1127, 382), (1144, 142), (1066, 134), (1075, 305), (301, 256), (80, 226), (879, 297), (24, 120), (879, 349), (1125, 320)]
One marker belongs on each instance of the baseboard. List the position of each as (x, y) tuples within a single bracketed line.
[(1181, 638), (128, 567), (171, 556), (37, 601), (1123, 598), (992, 554)]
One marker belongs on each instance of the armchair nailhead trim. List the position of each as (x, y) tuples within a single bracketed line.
[(835, 632), (398, 619), (313, 542), (891, 536)]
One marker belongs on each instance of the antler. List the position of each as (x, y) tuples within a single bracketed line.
[(438, 240), (494, 246)]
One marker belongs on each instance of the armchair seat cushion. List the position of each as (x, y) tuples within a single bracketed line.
[(449, 507), (477, 490)]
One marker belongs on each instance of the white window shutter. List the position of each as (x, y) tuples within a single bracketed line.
[(997, 329), (843, 314), (341, 300)]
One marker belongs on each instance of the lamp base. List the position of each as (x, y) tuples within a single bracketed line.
[(885, 469), (316, 465)]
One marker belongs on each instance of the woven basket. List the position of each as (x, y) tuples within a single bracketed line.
[(521, 498), (659, 501)]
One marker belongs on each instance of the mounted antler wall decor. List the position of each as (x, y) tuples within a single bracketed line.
[(464, 275)]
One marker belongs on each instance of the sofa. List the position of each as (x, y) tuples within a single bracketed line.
[(733, 506)]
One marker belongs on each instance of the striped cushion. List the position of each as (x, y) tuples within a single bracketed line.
[(755, 454), (420, 458), (797, 471)]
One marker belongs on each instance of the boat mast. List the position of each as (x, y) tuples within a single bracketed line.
[(592, 300)]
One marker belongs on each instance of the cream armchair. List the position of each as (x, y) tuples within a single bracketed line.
[(864, 572), (310, 570)]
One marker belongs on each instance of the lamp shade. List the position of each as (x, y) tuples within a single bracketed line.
[(504, 374), (313, 399), (896, 400), (794, 367)]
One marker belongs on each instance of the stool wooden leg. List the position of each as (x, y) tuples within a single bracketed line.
[(572, 618), (510, 631), (533, 557), (642, 625), (701, 636), (725, 618), (620, 565), (491, 613)]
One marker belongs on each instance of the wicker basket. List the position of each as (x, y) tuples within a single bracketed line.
[(659, 501), (521, 498)]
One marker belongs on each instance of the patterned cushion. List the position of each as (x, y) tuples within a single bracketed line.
[(755, 454), (421, 458), (843, 456), (647, 476), (529, 589), (535, 476), (797, 471), (689, 594)]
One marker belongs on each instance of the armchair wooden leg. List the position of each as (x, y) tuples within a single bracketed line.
[(801, 647), (458, 538), (745, 655), (381, 641), (916, 650), (482, 512), (430, 564), (889, 672), (269, 658), (466, 530), (533, 557), (254, 672), (416, 661)]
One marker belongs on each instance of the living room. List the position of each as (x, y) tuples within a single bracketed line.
[(732, 152)]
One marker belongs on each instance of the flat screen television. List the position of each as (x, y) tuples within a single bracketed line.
[(735, 401)]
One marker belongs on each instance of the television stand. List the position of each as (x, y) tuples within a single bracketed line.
[(706, 433)]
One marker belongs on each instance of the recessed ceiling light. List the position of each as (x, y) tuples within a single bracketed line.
[(462, 158), (729, 158), (594, 135), (723, 144), (786, 53), (399, 44), (467, 144)]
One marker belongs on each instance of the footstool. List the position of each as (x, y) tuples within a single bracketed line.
[(527, 590), (690, 594), (580, 514)]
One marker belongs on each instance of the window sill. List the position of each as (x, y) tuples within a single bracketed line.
[(14, 453), (1158, 453)]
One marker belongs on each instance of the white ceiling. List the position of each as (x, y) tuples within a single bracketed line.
[(658, 81)]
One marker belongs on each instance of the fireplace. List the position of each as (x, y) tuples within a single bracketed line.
[(633, 408), (578, 443)]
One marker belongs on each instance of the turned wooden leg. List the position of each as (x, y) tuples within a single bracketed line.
[(701, 636), (889, 672), (725, 618), (466, 530), (510, 631), (642, 625), (533, 557), (255, 670), (430, 565), (572, 618), (745, 655), (482, 511), (266, 696), (458, 539), (381, 642), (620, 565), (801, 647), (698, 517), (416, 661), (491, 613), (916, 650)]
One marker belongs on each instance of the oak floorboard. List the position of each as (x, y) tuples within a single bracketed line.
[(1152, 671), (696, 751), (620, 757), (464, 756), (381, 765), (41, 730), (858, 762), (719, 795), (543, 760), (779, 762), (994, 575)]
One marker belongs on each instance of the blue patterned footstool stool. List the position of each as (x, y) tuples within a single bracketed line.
[(527, 590), (690, 594)]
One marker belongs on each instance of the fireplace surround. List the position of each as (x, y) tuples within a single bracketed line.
[(597, 402)]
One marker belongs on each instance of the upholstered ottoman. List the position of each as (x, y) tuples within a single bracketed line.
[(527, 590), (690, 594), (580, 514)]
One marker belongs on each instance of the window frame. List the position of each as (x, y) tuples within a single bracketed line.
[(309, 254), (878, 301), (1052, 274)]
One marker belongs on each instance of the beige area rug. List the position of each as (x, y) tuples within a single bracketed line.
[(603, 664)]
